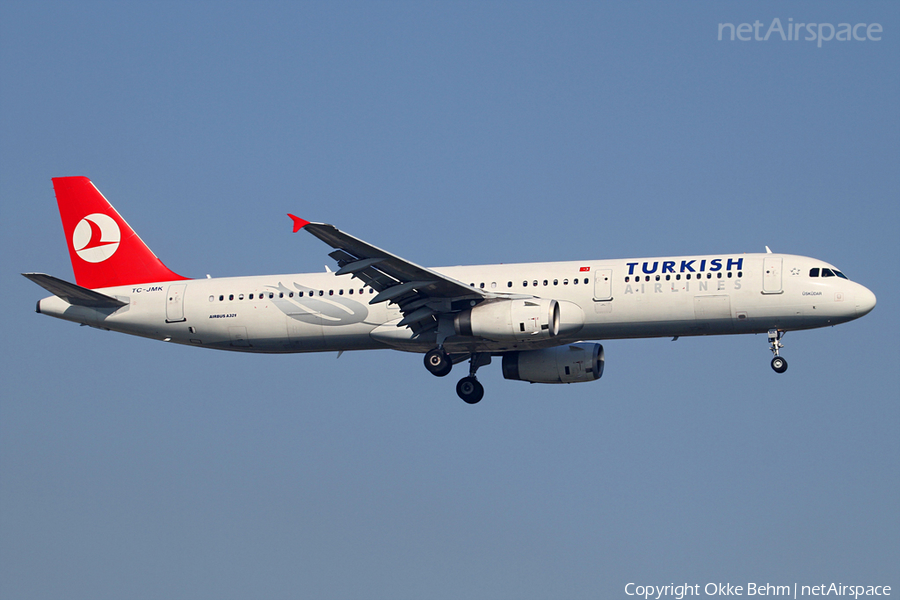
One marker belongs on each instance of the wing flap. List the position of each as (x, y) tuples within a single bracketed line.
[(357, 265)]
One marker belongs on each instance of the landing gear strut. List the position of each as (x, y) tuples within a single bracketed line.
[(779, 364), (438, 362), (469, 388)]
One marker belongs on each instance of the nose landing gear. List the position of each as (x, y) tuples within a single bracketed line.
[(779, 364)]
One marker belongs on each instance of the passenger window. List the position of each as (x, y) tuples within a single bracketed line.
[(827, 273), (534, 283), (321, 292), (524, 284), (719, 275), (281, 294), (585, 281), (221, 298), (240, 297), (331, 292), (350, 291), (509, 284), (271, 294), (493, 285), (212, 298), (657, 278), (556, 282), (566, 281), (231, 296), (545, 282), (481, 285), (575, 282), (678, 277)]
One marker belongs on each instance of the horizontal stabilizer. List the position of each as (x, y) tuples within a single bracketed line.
[(74, 294)]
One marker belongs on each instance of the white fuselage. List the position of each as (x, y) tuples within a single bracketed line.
[(630, 298)]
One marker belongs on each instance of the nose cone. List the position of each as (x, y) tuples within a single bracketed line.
[(865, 301)]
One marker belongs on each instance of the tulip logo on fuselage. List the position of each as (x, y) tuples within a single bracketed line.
[(96, 238)]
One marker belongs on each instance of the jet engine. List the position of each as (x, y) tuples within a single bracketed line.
[(571, 363), (520, 320), (511, 320)]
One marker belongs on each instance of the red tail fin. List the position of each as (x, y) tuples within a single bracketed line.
[(105, 251)]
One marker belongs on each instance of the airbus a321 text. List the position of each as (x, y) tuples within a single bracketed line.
[(536, 317)]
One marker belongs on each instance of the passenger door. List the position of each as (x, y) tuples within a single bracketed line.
[(772, 275), (175, 303)]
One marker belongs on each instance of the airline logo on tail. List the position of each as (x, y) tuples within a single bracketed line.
[(104, 249), (96, 238)]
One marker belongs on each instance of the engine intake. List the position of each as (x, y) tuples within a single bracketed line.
[(571, 363)]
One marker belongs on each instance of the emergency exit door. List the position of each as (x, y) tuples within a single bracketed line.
[(603, 285)]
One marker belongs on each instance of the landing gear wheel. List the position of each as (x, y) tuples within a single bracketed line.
[(438, 362), (470, 390), (779, 364)]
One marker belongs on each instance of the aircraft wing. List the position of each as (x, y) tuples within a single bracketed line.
[(421, 293), (74, 294)]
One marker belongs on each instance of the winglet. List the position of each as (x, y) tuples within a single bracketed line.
[(298, 222)]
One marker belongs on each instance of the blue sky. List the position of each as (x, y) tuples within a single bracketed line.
[(448, 133)]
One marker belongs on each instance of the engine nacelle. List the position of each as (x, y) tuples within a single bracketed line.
[(511, 320), (520, 320), (563, 364)]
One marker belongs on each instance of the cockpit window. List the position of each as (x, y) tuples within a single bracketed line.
[(814, 272)]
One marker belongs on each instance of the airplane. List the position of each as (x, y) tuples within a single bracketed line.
[(538, 318)]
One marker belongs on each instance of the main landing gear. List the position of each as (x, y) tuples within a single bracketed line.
[(468, 388), (439, 363), (779, 364)]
